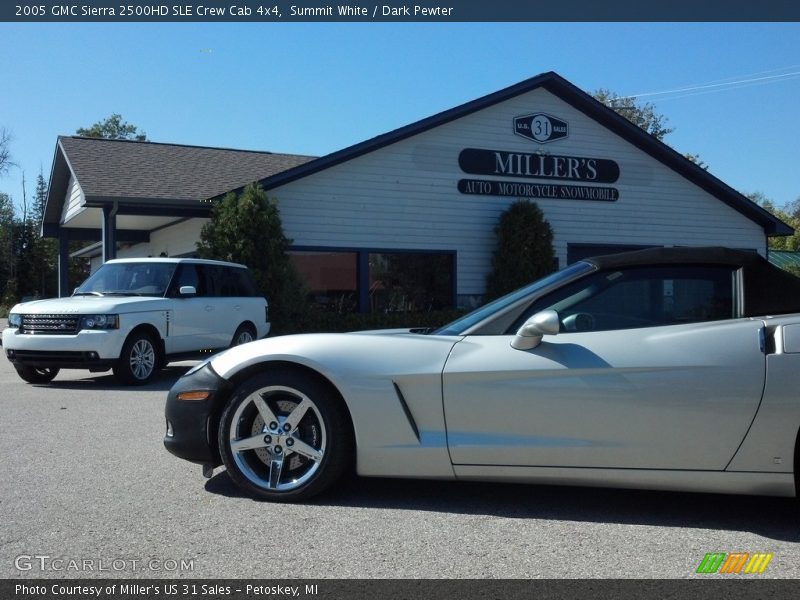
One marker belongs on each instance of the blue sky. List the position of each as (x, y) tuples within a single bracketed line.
[(316, 88)]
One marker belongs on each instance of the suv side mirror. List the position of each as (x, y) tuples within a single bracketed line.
[(530, 334), (187, 290)]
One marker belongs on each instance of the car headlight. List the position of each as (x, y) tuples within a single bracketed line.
[(15, 320), (100, 322)]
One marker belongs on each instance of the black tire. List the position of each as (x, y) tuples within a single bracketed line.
[(289, 455), (244, 333), (37, 375), (139, 360)]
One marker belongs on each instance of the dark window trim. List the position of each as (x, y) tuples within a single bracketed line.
[(362, 266), (600, 246)]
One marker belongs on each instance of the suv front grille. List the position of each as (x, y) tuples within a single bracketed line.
[(50, 324)]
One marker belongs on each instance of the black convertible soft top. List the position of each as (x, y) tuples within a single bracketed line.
[(768, 290)]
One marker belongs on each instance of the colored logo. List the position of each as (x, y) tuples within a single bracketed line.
[(734, 563)]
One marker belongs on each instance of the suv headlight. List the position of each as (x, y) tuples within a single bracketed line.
[(15, 320), (100, 322)]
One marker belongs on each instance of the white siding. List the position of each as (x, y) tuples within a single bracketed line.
[(404, 196), (177, 240), (73, 202)]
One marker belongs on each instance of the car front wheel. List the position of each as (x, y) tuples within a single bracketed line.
[(34, 375), (138, 361), (284, 437)]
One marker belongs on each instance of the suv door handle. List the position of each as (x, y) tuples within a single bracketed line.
[(209, 308)]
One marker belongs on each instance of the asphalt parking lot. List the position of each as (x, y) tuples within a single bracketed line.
[(85, 477)]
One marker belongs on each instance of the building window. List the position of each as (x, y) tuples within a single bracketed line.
[(345, 281), (410, 281), (331, 278)]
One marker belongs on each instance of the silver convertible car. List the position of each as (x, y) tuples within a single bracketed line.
[(668, 368)]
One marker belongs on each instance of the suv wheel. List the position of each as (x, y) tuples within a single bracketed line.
[(138, 361), (244, 334), (37, 375)]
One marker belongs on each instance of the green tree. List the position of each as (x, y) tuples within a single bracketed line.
[(643, 115), (43, 278), (789, 214), (247, 229), (113, 128), (39, 200), (8, 263), (695, 158), (524, 249), (24, 244)]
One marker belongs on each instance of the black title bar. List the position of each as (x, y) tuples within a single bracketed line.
[(735, 588), (268, 11)]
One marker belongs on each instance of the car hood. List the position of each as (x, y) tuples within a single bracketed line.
[(342, 356), (86, 305)]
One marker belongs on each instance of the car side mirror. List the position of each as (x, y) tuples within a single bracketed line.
[(187, 290), (534, 329)]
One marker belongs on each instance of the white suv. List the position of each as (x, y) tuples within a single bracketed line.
[(134, 316)]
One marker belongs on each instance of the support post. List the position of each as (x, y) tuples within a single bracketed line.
[(63, 264), (110, 232)]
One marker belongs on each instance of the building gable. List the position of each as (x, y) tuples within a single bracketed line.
[(580, 101)]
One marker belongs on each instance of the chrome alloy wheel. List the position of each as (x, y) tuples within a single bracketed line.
[(277, 438), (142, 359)]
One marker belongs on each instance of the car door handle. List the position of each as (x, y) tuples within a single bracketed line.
[(237, 307), (209, 308)]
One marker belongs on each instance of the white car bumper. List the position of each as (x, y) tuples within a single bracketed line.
[(83, 350)]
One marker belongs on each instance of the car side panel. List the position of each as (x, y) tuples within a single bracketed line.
[(672, 397), (190, 328), (770, 443)]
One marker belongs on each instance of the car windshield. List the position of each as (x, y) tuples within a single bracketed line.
[(128, 279), (458, 326)]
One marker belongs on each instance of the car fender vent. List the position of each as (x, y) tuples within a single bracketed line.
[(406, 410)]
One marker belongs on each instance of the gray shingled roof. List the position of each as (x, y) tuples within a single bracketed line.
[(126, 169), (163, 176)]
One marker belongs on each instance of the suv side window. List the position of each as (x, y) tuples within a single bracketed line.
[(215, 281), (245, 283), (642, 297), (210, 277), (229, 282), (188, 275)]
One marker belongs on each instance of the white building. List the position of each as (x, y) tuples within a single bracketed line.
[(427, 195)]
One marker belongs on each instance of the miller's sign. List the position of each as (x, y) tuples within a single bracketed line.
[(538, 166), (541, 127)]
